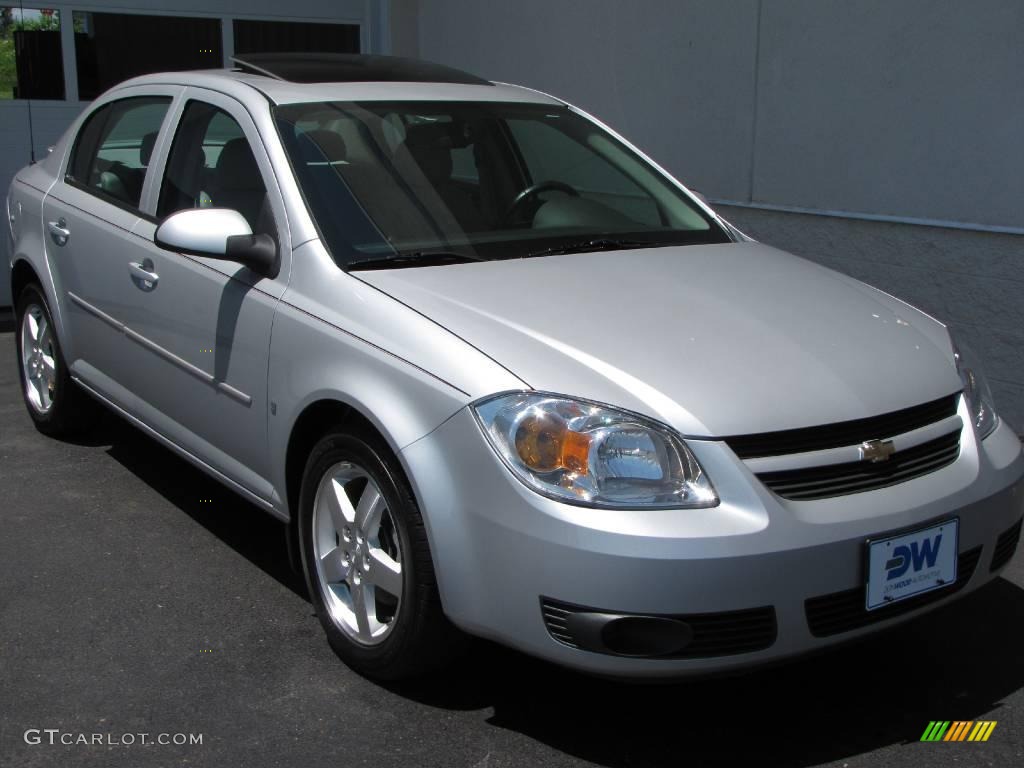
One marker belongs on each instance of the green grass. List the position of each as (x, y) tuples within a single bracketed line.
[(8, 73)]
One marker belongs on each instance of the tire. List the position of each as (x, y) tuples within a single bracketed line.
[(58, 406), (396, 636)]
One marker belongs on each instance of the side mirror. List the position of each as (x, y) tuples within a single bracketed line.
[(218, 233)]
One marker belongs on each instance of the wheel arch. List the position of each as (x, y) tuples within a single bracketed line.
[(316, 419), (22, 274)]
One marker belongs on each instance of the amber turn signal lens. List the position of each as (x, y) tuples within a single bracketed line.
[(545, 443)]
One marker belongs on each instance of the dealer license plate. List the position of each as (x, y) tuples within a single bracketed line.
[(911, 564)]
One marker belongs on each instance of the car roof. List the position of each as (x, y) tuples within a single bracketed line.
[(299, 78)]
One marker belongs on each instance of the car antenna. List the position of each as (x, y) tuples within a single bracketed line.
[(31, 133)]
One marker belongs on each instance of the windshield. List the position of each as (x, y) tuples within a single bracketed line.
[(393, 184)]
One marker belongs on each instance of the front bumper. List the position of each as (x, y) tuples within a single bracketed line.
[(499, 549)]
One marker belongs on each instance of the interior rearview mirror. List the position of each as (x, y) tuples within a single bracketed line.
[(218, 233)]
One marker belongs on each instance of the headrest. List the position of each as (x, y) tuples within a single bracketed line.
[(146, 148), (323, 146), (236, 166), (430, 145)]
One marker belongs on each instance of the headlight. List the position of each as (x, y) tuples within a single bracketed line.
[(589, 454), (976, 391)]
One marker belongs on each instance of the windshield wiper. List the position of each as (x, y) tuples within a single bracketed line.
[(413, 259), (595, 244)]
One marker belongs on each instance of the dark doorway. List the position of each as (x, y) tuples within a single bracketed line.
[(294, 37)]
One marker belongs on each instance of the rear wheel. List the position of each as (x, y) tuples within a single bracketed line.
[(367, 561), (56, 404)]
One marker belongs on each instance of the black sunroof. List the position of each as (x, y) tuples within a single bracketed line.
[(351, 68)]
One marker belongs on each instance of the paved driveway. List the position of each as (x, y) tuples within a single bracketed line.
[(138, 596)]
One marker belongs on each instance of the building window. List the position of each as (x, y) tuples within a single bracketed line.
[(294, 37), (112, 47), (31, 66)]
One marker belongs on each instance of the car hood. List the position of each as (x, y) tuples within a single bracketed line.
[(715, 340)]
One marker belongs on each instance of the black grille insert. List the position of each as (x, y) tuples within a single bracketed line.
[(714, 634), (844, 611), (853, 477), (843, 433), (1006, 545)]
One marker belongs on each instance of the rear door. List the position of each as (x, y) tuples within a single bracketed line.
[(89, 215)]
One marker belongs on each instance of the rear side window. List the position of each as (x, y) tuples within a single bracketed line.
[(112, 151)]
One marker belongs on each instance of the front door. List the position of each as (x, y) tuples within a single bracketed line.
[(203, 324)]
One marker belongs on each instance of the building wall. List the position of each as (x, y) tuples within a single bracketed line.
[(911, 109), (677, 77), (404, 27)]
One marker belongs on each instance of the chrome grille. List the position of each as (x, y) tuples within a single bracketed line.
[(823, 482)]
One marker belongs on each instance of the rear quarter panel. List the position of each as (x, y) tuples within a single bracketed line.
[(26, 232)]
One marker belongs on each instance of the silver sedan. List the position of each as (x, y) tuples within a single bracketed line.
[(500, 374)]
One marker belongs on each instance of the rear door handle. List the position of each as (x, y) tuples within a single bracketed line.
[(143, 274), (59, 231)]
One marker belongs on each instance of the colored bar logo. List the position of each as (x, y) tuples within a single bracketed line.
[(958, 730)]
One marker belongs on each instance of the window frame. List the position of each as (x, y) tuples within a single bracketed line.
[(248, 123), (170, 92)]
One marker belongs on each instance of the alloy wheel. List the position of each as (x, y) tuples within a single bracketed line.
[(38, 359), (358, 554)]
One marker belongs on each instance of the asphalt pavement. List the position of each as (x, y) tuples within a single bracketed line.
[(138, 596)]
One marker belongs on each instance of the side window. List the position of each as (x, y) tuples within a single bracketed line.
[(112, 151), (211, 165), (551, 154)]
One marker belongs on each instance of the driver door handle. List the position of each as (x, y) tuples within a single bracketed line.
[(59, 231), (143, 274)]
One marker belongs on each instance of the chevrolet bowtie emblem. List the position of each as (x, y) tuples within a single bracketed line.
[(876, 450)]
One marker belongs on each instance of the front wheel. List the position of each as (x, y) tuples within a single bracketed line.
[(367, 561)]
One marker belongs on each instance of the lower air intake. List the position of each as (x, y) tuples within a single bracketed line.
[(676, 636), (1006, 545), (841, 612)]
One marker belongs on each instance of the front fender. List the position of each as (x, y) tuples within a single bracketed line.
[(402, 372)]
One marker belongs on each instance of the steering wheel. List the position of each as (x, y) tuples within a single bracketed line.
[(531, 192)]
